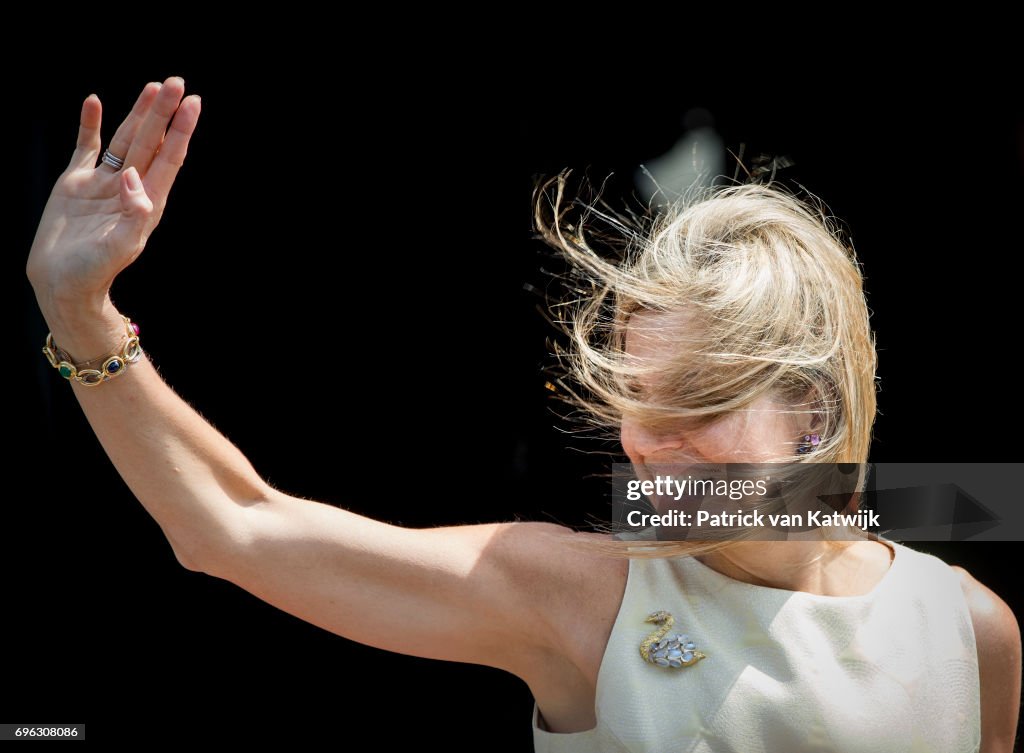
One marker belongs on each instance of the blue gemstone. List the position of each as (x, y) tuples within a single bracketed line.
[(113, 367), (690, 646), (688, 656)]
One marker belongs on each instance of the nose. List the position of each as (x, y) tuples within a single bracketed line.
[(640, 442)]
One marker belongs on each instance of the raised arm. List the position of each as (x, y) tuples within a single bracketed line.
[(485, 594)]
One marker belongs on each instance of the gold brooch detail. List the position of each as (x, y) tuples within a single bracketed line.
[(668, 651)]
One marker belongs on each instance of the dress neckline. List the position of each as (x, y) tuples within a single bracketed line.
[(894, 559)]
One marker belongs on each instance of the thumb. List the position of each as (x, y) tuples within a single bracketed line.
[(136, 206)]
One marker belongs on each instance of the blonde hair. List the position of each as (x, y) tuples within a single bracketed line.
[(775, 293)]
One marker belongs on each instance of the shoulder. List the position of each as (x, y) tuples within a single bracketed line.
[(570, 587), (567, 573), (997, 636), (547, 555), (995, 626), (554, 572)]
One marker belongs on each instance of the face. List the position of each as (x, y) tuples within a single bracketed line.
[(762, 433)]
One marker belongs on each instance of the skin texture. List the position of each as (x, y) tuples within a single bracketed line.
[(520, 596)]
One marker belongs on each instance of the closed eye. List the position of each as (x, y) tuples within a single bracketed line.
[(633, 388)]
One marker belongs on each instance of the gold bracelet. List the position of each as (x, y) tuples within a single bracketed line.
[(114, 364)]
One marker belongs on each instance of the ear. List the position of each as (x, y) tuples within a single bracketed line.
[(808, 412)]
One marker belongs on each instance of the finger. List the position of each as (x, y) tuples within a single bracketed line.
[(150, 133), (136, 206), (126, 131), (88, 147), (171, 156)]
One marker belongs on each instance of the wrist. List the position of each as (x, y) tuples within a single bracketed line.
[(60, 300), (85, 330)]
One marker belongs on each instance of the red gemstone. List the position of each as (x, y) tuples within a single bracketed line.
[(135, 329)]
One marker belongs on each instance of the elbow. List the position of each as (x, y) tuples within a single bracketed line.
[(199, 554), (189, 556), (221, 558), (215, 547)]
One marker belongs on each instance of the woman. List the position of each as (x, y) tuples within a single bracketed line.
[(736, 333)]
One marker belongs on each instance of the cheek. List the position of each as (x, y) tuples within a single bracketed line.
[(722, 442), (745, 438)]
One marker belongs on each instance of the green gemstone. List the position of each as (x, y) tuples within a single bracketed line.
[(65, 372)]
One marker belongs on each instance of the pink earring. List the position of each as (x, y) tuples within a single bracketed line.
[(809, 442)]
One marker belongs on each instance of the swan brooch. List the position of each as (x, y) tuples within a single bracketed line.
[(674, 652)]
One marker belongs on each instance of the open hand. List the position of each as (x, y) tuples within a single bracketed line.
[(98, 219)]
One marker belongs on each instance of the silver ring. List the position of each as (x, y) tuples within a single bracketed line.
[(109, 159)]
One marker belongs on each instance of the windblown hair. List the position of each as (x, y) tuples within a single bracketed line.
[(759, 296)]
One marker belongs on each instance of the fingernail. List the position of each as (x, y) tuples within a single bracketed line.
[(132, 176)]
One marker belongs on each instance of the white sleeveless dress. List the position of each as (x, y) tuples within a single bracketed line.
[(892, 671)]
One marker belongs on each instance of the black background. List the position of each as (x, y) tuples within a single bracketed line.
[(338, 286)]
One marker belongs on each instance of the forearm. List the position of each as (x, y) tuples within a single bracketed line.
[(189, 477)]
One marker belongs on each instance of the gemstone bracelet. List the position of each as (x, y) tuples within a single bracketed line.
[(113, 365)]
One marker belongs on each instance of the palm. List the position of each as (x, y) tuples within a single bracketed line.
[(98, 219), (87, 242)]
